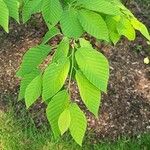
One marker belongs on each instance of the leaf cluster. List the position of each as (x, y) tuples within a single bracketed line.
[(74, 58)]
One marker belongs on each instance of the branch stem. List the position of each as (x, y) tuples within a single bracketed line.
[(71, 71)]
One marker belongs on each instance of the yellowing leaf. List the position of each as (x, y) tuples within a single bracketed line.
[(146, 60)]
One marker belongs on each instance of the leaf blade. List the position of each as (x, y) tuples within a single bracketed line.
[(51, 11), (62, 50), (55, 107), (64, 121), (78, 124), (93, 24), (33, 91), (29, 8), (101, 6), (70, 24), (4, 17), (25, 82), (13, 6), (54, 78), (32, 58), (89, 93), (94, 66), (50, 34)]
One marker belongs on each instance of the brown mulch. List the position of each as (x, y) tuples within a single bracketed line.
[(125, 109)]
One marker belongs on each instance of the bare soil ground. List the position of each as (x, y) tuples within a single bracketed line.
[(125, 109)]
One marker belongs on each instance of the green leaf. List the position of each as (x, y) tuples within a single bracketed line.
[(124, 10), (90, 94), (78, 123), (25, 82), (62, 50), (115, 37), (54, 78), (101, 6), (13, 6), (64, 121), (93, 24), (4, 15), (50, 34), (30, 7), (140, 27), (112, 28), (33, 91), (55, 107), (84, 43), (94, 66), (32, 58), (52, 11), (70, 24), (68, 1), (125, 28)]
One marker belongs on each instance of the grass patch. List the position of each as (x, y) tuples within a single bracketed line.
[(20, 133)]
